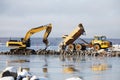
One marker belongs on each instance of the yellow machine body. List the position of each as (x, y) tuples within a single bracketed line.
[(101, 42), (15, 44)]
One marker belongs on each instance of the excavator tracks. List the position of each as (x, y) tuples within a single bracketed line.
[(22, 51)]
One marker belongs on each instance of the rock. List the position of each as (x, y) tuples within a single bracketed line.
[(34, 78), (9, 71), (7, 78), (74, 78), (101, 50), (23, 74), (5, 73)]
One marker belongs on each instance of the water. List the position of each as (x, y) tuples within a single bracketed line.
[(56, 64)]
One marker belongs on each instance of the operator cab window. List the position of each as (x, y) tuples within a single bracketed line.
[(103, 38)]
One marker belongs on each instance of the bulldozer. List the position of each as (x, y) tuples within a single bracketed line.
[(99, 42), (23, 44)]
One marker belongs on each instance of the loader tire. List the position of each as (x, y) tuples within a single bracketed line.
[(97, 47)]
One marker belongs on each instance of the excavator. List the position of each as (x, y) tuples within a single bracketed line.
[(22, 45), (99, 42)]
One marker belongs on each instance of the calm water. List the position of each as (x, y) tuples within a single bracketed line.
[(56, 64)]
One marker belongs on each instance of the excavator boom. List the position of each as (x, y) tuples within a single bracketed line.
[(48, 29)]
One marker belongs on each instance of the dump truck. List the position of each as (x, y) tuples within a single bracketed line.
[(99, 42), (24, 43)]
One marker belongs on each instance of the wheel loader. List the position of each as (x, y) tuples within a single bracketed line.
[(99, 42)]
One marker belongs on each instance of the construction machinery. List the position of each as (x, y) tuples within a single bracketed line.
[(22, 45), (99, 42)]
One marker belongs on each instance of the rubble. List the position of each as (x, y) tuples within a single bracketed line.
[(91, 52), (12, 73)]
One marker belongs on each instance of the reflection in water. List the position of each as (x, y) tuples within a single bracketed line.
[(45, 69), (17, 61), (46, 62), (72, 64), (69, 69), (100, 64), (66, 66), (68, 63), (99, 67)]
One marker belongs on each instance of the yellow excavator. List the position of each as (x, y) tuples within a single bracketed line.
[(99, 42), (25, 42)]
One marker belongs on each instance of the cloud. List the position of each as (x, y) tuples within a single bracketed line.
[(98, 17)]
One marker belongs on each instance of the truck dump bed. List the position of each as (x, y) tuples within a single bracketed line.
[(75, 34)]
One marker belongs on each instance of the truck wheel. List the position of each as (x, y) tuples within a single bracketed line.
[(78, 47), (97, 47), (71, 47)]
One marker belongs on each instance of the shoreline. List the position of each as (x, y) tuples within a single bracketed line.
[(93, 53)]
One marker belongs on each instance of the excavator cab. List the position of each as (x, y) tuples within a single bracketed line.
[(18, 43), (27, 43)]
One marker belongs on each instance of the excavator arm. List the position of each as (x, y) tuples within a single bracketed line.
[(48, 29)]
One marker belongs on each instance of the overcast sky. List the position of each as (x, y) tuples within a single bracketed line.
[(99, 17)]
